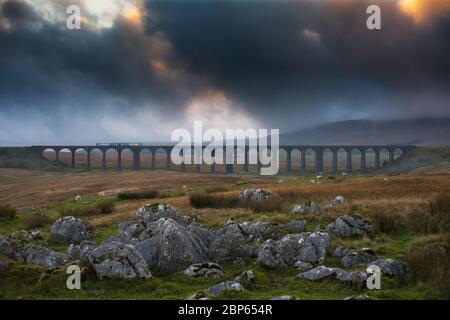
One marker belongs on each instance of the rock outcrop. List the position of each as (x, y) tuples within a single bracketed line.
[(208, 269), (170, 246), (37, 255), (255, 195), (118, 260), (307, 247), (347, 226), (153, 212), (306, 208), (69, 230)]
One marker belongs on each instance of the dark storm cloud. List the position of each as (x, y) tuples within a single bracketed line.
[(299, 57), (286, 64)]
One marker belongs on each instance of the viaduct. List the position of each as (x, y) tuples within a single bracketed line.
[(318, 151)]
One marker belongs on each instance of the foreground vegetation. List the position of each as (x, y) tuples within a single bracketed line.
[(410, 214)]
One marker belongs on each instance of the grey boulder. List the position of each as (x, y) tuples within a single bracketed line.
[(208, 269), (229, 243), (81, 251), (359, 257), (170, 246), (307, 247), (296, 226), (153, 212), (69, 230), (258, 230), (37, 255), (255, 195), (391, 267), (340, 252), (317, 273), (306, 208), (118, 260), (347, 226), (221, 287)]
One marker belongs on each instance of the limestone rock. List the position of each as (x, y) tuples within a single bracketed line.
[(317, 273), (221, 287), (306, 208), (171, 246), (340, 252), (255, 195), (81, 251), (391, 267), (118, 260), (297, 226), (347, 226), (208, 269), (69, 230), (153, 212), (228, 244), (359, 257), (37, 255), (258, 230), (307, 247)]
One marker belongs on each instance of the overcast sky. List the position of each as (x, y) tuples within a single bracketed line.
[(139, 69)]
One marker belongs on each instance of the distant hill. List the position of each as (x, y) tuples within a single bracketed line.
[(420, 132), (422, 160), (24, 158)]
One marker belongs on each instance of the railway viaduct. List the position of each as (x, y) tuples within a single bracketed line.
[(318, 152)]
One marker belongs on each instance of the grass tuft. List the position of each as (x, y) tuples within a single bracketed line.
[(7, 213)]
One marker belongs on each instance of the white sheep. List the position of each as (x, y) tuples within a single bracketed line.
[(78, 199)]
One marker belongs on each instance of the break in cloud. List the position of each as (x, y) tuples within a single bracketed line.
[(139, 69)]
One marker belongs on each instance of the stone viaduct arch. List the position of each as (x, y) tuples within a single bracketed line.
[(310, 153)]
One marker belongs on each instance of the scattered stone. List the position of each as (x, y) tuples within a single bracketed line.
[(307, 247), (69, 230), (306, 208), (82, 251), (285, 297), (317, 273), (255, 195), (391, 267), (23, 235), (200, 295), (297, 226), (257, 230), (208, 269), (339, 200), (118, 260), (221, 287), (301, 265), (153, 212), (355, 278), (359, 257), (37, 255), (340, 252), (347, 226), (246, 277), (170, 246)]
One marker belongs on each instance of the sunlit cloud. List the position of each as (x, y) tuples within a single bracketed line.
[(215, 110), (420, 10)]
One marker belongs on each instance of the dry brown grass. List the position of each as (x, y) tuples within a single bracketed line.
[(429, 261)]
